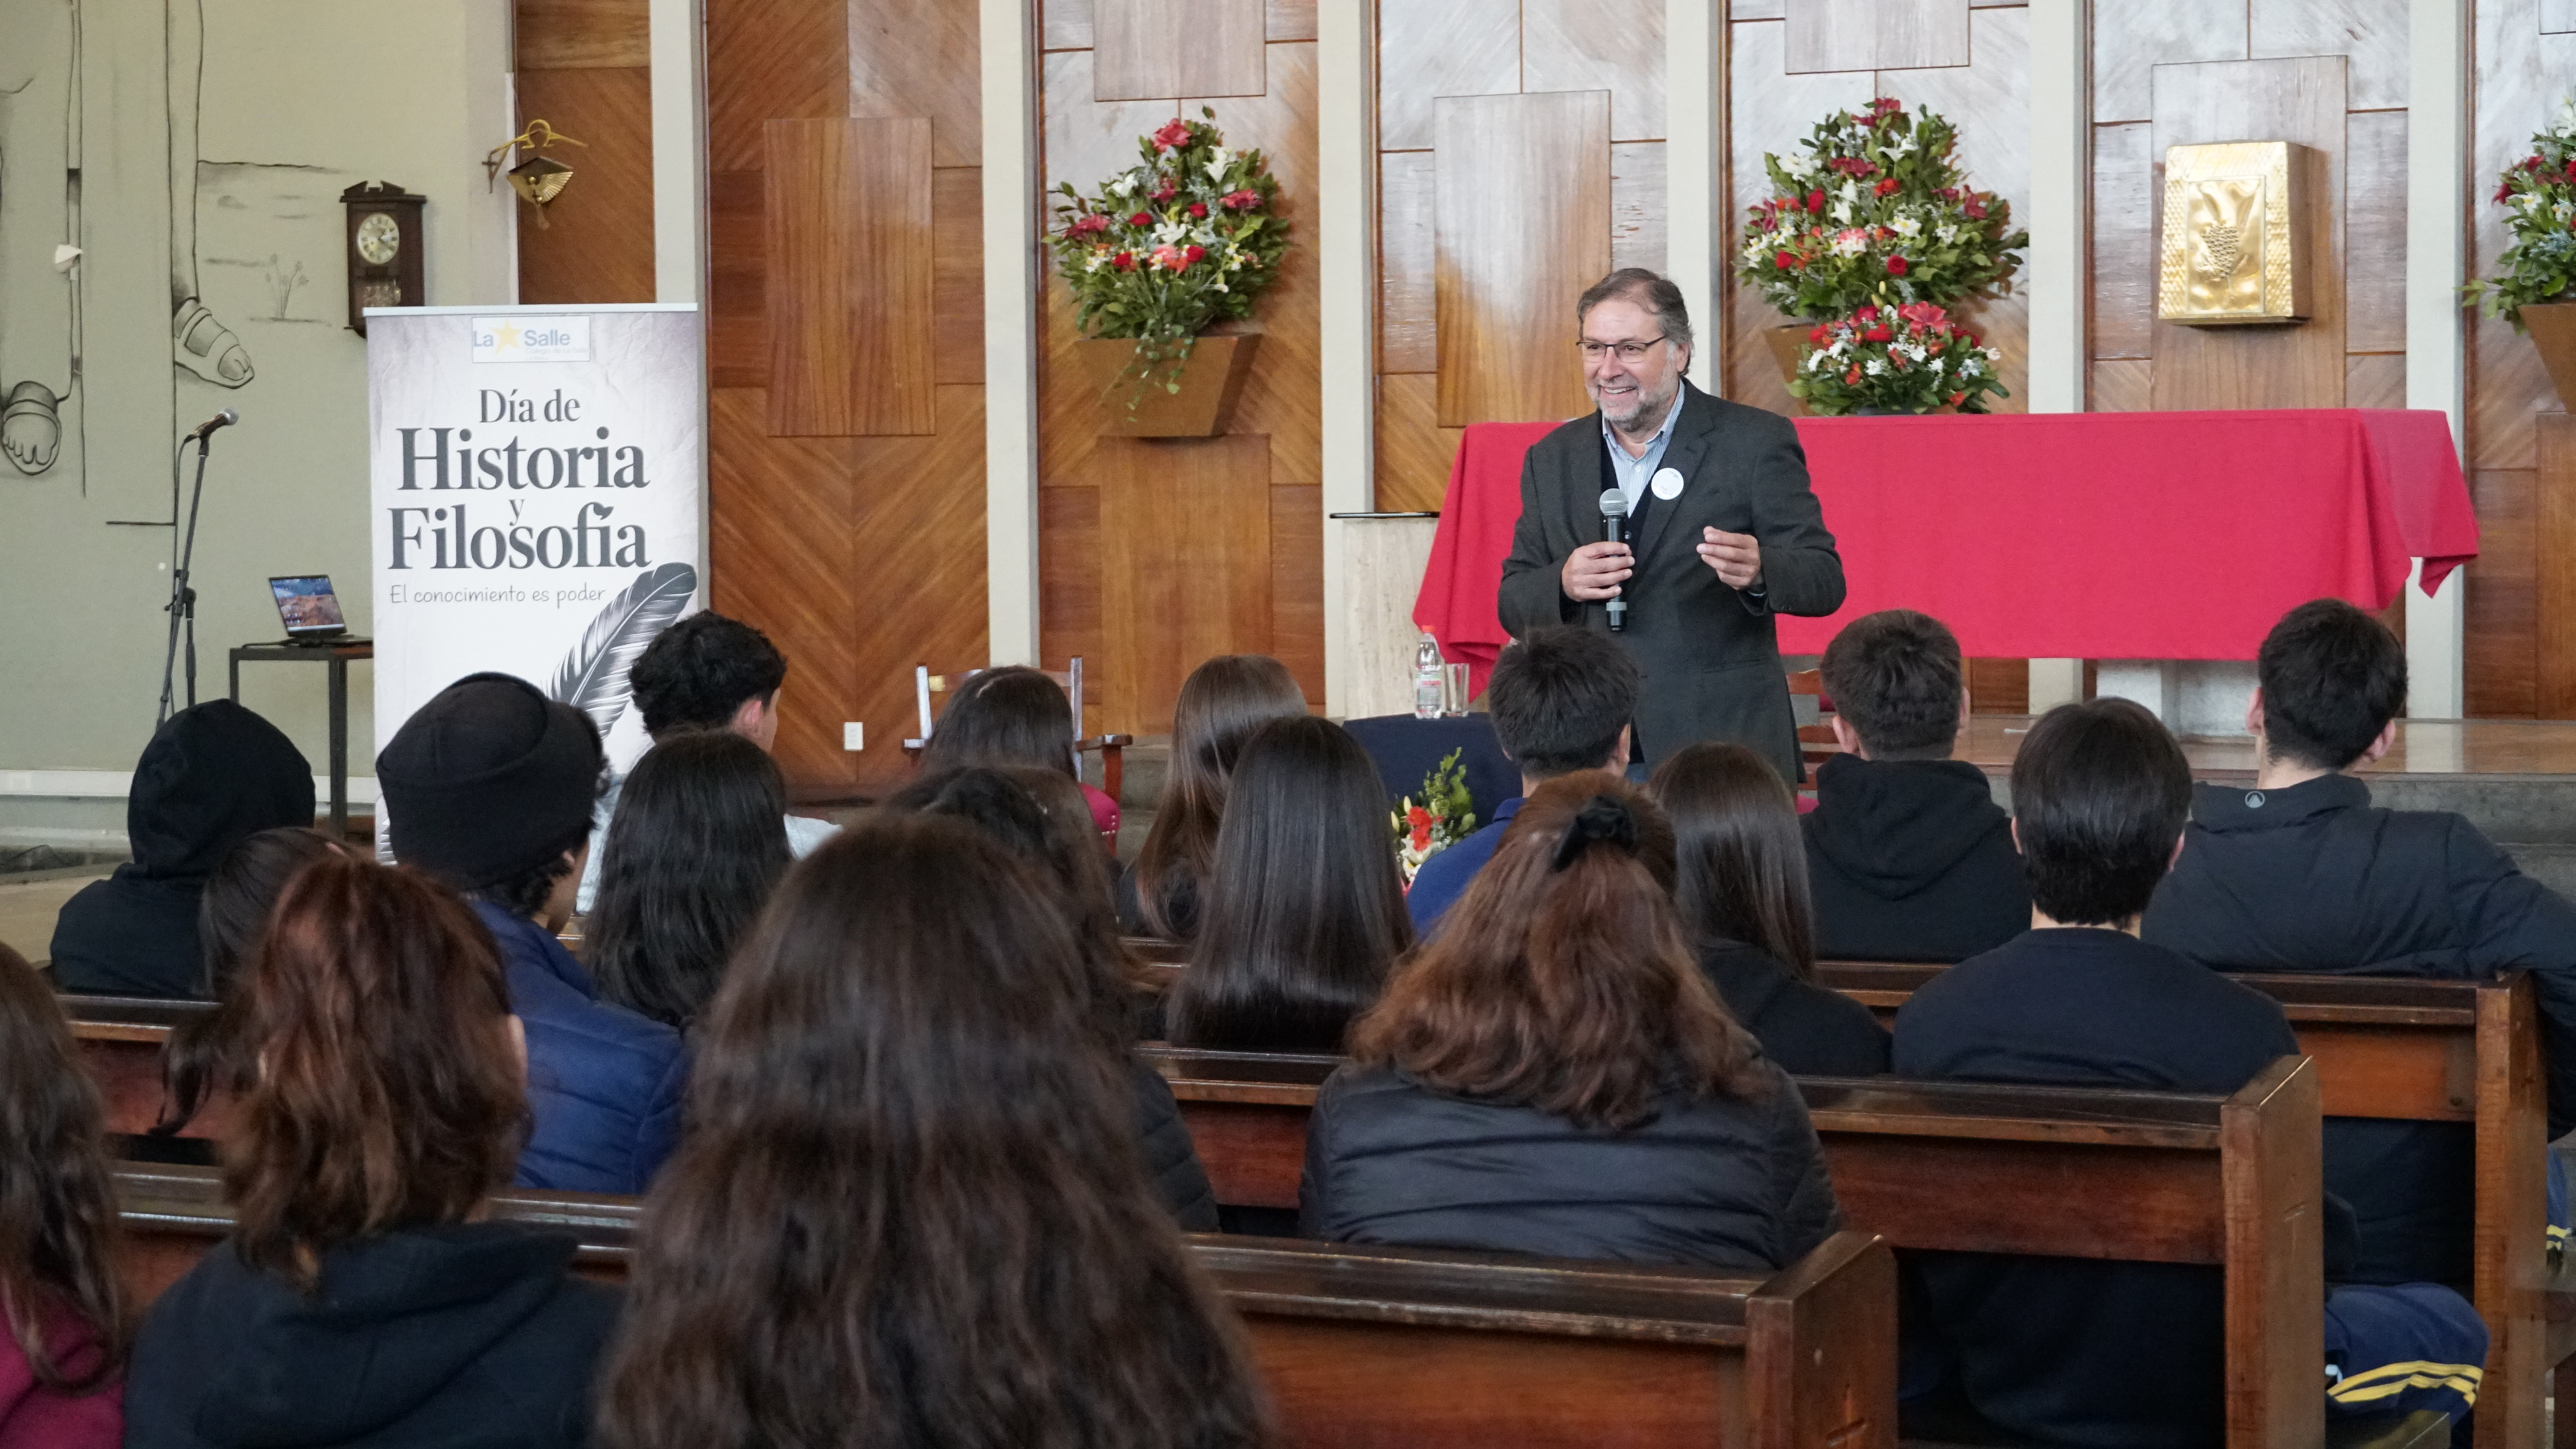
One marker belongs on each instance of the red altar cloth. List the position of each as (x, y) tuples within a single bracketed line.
[(2057, 535)]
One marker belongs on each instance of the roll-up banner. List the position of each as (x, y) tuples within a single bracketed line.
[(538, 492)]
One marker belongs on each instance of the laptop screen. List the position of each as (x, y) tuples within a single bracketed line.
[(308, 606)]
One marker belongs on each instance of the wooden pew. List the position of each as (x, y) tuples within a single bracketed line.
[(2163, 1177), (121, 1040), (2422, 1051), (1371, 1347)]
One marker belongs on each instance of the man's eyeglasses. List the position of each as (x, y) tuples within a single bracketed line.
[(1627, 351)]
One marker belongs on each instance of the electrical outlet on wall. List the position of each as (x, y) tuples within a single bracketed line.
[(854, 735)]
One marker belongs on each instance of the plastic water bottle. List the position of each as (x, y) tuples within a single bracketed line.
[(1430, 681)]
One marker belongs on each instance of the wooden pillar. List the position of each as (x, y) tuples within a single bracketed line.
[(2555, 563)]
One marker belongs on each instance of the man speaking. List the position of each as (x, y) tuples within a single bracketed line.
[(1721, 531)]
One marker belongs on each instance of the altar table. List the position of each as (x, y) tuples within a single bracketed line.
[(2056, 535)]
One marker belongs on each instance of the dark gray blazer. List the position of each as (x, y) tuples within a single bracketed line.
[(1710, 654)]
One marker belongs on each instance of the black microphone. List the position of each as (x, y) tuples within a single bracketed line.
[(224, 419), (1614, 529)]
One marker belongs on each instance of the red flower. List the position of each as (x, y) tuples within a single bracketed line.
[(1086, 225), (1884, 187), (1852, 378), (1816, 199), (1198, 208), (1243, 200), (1867, 314), (1886, 104), (1788, 261), (1141, 220), (1191, 256), (1955, 397), (1766, 224), (1880, 333), (1166, 188), (2504, 189), (1817, 337), (1896, 266), (1974, 205), (1922, 314), (1124, 261), (1172, 136)]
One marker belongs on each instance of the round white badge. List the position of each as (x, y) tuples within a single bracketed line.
[(1667, 484)]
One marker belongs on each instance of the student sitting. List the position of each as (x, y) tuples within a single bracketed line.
[(693, 854), (61, 1302), (2126, 1354), (362, 1298), (1552, 1075), (1908, 855), (705, 672), (1014, 715), (1740, 881), (1305, 908), (489, 788), (910, 1209), (1561, 701), (206, 1053), (1222, 702), (1041, 817), (2302, 873), (213, 774)]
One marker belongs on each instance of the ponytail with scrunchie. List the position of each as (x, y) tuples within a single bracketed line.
[(1602, 818)]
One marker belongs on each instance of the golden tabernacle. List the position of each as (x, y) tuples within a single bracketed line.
[(2235, 246)]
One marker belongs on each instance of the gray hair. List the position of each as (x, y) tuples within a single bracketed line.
[(1652, 291)]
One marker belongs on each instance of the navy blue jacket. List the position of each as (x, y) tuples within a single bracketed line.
[(604, 1083), (1445, 876), (2119, 1355), (2315, 879)]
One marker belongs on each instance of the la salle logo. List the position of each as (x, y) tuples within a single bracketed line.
[(556, 338)]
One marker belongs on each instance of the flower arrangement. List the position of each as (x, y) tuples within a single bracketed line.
[(2538, 194), (1167, 248), (1445, 816), (1873, 211), (1910, 359)]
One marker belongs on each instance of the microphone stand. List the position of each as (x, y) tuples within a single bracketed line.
[(182, 607)]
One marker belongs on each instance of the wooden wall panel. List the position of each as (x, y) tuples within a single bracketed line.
[(921, 58), (1283, 397), (2374, 213), (1408, 316), (1999, 686), (1414, 452), (1289, 19), (737, 280), (1990, 103), (2300, 101), (1770, 110), (598, 245), (2554, 565), (1529, 169), (1831, 35), (2375, 380), (1069, 581), (2122, 385), (780, 553), (957, 275), (1297, 584), (2502, 598), (919, 499), (2130, 40), (1574, 45), (580, 35), (2371, 33), (768, 59), (1433, 48), (849, 276), (1064, 25), (2124, 247), (1163, 609), (1148, 48), (1638, 206)]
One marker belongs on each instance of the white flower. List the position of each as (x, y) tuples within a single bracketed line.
[(1840, 211), (1218, 160), (1817, 359), (1903, 146), (1851, 192), (1949, 232), (1937, 364), (1124, 186), (1877, 367), (1851, 242), (1906, 227), (1801, 166), (1096, 263), (1993, 354), (1171, 233)]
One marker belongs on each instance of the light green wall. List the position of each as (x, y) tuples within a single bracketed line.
[(299, 100)]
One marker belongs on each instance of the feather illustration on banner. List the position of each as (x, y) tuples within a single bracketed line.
[(592, 677)]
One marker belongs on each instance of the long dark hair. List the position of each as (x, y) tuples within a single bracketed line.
[(1013, 715), (1305, 909), (1222, 702), (698, 843), (910, 1208), (1041, 816), (1562, 980), (58, 1224), (1741, 868), (388, 1095), (206, 1053)]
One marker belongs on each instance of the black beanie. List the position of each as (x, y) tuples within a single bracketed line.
[(488, 781)]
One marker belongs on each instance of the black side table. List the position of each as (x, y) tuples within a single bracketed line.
[(338, 657)]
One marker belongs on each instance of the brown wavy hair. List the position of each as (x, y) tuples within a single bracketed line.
[(1222, 702), (58, 1224), (1562, 980), (387, 1094), (205, 1053), (1741, 860), (910, 1208)]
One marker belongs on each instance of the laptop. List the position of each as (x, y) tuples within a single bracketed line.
[(309, 608)]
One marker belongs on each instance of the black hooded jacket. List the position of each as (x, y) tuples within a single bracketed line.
[(454, 1336), (1911, 860), (214, 775)]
